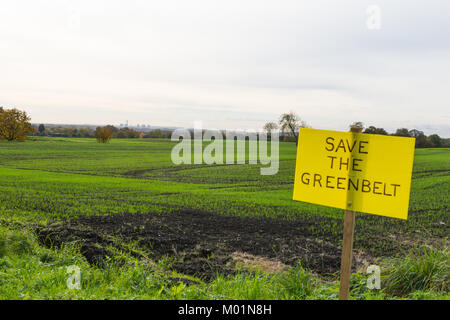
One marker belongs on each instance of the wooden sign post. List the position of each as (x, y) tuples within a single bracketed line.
[(347, 245), (354, 171), (347, 251)]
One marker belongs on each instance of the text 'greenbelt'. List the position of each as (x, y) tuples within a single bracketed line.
[(350, 184)]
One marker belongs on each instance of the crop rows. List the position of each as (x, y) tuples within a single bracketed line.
[(56, 179)]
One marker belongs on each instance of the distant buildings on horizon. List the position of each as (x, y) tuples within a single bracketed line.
[(141, 127)]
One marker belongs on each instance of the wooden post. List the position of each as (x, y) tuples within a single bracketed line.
[(346, 258), (347, 246)]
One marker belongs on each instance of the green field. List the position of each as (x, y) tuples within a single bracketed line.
[(51, 182)]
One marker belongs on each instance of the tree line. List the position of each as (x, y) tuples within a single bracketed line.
[(422, 141), (290, 123), (15, 125), (91, 132)]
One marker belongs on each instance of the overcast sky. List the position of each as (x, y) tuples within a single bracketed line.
[(231, 64)]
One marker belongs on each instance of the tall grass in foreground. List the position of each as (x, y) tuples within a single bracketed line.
[(423, 269), (31, 271)]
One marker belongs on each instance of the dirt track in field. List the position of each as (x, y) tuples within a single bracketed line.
[(201, 243)]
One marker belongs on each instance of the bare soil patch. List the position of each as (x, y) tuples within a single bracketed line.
[(201, 243)]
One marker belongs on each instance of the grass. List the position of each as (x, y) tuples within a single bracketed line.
[(30, 271), (424, 269), (61, 178)]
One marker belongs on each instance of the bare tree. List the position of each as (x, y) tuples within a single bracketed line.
[(290, 122), (269, 127)]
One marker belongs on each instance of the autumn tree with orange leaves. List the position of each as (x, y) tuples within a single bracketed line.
[(14, 124), (103, 134)]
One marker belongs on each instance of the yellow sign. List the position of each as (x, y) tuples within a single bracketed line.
[(354, 171)]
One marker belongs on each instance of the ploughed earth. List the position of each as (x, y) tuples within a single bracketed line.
[(202, 244)]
